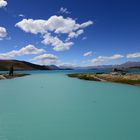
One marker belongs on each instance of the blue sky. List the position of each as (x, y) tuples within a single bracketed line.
[(70, 32)]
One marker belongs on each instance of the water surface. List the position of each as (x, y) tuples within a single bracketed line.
[(52, 106)]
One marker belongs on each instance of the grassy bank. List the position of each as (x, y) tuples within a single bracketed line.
[(129, 78)]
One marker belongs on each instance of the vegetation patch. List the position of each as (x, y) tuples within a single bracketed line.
[(129, 78)]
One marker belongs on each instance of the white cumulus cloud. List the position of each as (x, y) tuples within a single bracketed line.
[(45, 59), (3, 3), (27, 50), (75, 34), (133, 55), (88, 53), (3, 33), (101, 59), (57, 24), (58, 44), (52, 28)]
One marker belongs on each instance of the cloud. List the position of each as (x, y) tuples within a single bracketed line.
[(21, 15), (56, 24), (84, 38), (46, 59), (85, 24), (32, 26), (88, 53), (27, 50), (64, 11), (3, 3), (3, 33), (75, 34), (52, 28), (133, 55), (56, 43), (101, 59)]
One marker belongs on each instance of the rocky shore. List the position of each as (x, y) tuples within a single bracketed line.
[(15, 75), (128, 78)]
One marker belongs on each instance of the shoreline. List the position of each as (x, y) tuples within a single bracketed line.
[(15, 75), (128, 78)]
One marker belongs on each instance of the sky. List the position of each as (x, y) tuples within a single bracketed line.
[(70, 32)]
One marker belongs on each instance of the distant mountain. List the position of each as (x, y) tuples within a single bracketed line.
[(124, 65), (131, 65), (23, 65), (67, 68), (54, 67)]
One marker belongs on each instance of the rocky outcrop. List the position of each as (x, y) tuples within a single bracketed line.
[(6, 76), (2, 77)]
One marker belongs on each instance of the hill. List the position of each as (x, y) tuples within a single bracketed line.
[(23, 65)]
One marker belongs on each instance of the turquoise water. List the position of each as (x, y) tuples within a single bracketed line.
[(52, 106)]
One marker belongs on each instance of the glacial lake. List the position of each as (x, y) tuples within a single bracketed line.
[(48, 105)]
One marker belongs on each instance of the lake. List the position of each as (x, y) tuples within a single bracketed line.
[(48, 105)]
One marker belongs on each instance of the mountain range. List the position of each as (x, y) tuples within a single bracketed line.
[(125, 65), (24, 65)]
